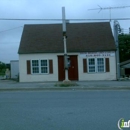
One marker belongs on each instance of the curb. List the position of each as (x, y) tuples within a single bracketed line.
[(64, 88)]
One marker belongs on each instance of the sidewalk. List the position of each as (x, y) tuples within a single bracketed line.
[(10, 85)]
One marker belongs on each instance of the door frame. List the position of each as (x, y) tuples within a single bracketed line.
[(61, 70)]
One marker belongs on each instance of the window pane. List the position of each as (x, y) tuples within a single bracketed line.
[(43, 62), (100, 61), (44, 70), (35, 63), (35, 69), (100, 64), (100, 68), (91, 61), (91, 68)]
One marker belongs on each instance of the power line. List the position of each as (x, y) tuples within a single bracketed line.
[(13, 19), (11, 29), (9, 42)]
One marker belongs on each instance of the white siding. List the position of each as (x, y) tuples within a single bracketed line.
[(24, 77), (98, 76), (14, 69)]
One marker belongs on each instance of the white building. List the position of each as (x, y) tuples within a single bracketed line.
[(14, 69), (125, 68), (90, 46)]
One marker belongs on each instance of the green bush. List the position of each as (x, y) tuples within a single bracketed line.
[(2, 68)]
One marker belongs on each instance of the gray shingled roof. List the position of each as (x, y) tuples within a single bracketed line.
[(82, 37)]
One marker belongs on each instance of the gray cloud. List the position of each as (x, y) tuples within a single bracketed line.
[(48, 9)]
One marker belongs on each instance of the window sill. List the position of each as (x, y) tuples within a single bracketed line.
[(41, 74), (96, 72)]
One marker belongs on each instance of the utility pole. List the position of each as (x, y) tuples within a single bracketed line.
[(116, 30), (65, 47)]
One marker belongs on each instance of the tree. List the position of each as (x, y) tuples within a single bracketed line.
[(2, 68), (124, 47)]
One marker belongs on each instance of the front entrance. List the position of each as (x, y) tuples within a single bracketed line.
[(73, 69)]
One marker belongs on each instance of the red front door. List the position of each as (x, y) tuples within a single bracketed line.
[(73, 69)]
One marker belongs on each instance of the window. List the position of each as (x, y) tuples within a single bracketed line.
[(96, 65), (91, 65), (100, 64), (44, 66), (39, 66), (35, 66)]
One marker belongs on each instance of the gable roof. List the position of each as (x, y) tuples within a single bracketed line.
[(81, 37), (125, 62)]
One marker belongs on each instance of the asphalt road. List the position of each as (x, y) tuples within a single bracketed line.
[(63, 110)]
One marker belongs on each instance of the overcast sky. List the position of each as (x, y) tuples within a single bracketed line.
[(11, 30)]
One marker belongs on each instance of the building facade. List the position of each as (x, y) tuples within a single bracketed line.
[(91, 51), (50, 67)]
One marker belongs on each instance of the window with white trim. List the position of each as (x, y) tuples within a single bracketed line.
[(40, 66), (44, 66), (91, 65), (96, 65), (35, 66), (100, 64)]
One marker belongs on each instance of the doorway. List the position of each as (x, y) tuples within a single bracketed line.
[(72, 71)]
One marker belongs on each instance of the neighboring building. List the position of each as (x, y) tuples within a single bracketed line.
[(8, 66), (125, 68), (90, 47), (7, 74), (14, 69)]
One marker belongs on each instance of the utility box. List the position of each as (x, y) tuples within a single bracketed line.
[(14, 69)]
